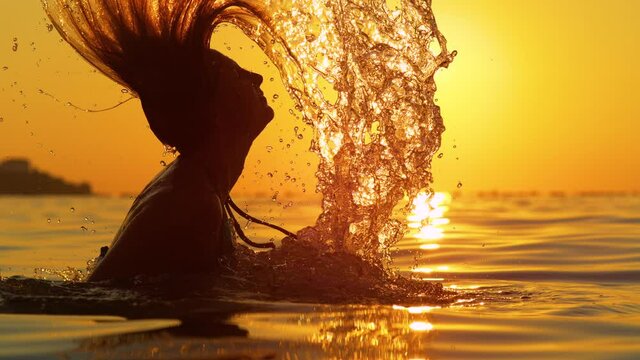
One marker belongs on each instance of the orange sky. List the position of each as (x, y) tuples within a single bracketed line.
[(542, 96)]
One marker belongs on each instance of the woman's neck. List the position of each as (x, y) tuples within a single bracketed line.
[(216, 169)]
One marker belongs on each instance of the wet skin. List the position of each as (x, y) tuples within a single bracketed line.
[(176, 225)]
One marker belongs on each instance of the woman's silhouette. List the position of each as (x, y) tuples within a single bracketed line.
[(196, 100)]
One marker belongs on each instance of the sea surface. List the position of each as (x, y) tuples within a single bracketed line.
[(535, 277)]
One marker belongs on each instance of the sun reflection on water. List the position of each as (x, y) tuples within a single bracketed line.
[(421, 326), (427, 218), (426, 224)]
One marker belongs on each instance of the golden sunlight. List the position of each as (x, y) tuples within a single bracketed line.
[(428, 218), (420, 326)]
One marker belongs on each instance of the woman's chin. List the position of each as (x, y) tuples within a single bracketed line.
[(269, 113)]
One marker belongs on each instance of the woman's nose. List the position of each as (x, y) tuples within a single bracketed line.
[(256, 78)]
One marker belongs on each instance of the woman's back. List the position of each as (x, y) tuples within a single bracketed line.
[(174, 226)]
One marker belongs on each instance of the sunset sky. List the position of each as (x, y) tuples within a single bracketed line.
[(543, 96)]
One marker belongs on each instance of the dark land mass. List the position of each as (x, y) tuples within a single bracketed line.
[(17, 177)]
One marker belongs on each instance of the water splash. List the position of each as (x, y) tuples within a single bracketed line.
[(378, 127), (361, 73)]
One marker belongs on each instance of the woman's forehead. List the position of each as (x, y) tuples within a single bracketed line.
[(222, 60)]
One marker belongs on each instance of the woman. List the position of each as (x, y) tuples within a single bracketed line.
[(177, 224), (196, 100)]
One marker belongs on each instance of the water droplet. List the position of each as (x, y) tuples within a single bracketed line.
[(270, 174), (163, 163), (271, 79), (288, 146), (48, 220), (300, 137), (49, 27), (265, 62), (281, 140), (308, 164), (83, 228), (288, 205), (274, 197), (93, 231), (459, 184), (59, 221), (455, 146), (269, 148), (15, 44), (72, 209), (275, 96), (5, 68), (124, 91), (440, 155), (86, 218), (52, 153)]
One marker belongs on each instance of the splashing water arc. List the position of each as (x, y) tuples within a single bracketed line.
[(377, 134), (361, 73)]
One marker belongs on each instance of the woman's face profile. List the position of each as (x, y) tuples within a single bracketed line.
[(239, 102)]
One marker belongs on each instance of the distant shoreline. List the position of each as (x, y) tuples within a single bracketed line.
[(18, 177)]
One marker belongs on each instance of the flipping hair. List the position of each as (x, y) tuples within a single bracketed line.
[(158, 49)]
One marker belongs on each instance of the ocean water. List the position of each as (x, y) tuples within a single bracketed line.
[(534, 277)]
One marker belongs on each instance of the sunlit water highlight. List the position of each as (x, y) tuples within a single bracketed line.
[(534, 277)]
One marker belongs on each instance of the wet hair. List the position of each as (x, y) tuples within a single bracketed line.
[(159, 50)]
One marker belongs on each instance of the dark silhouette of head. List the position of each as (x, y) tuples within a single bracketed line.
[(219, 104), (159, 49)]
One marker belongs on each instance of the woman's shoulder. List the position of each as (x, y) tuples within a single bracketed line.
[(181, 177), (177, 198), (172, 197)]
